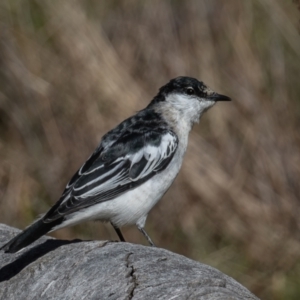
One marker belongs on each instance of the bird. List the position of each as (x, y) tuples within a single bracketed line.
[(132, 167)]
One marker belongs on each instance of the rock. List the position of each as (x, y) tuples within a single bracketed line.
[(57, 269)]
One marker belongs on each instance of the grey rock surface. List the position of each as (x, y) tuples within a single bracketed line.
[(57, 269)]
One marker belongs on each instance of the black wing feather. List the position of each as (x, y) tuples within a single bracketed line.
[(116, 167)]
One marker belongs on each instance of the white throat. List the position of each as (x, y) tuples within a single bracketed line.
[(188, 108)]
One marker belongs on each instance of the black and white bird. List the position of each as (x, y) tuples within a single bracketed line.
[(133, 166)]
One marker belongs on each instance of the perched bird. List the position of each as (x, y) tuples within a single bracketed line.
[(133, 166)]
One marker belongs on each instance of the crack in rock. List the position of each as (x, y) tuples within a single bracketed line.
[(132, 275)]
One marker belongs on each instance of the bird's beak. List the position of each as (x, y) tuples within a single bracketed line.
[(218, 97)]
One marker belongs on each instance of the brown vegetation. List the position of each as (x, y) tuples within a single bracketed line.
[(71, 70)]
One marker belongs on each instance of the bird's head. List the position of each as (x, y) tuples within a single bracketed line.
[(188, 96)]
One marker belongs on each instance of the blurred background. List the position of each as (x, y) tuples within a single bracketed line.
[(72, 70)]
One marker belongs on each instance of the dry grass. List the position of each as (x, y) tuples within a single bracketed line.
[(69, 71)]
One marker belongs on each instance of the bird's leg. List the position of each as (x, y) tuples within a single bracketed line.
[(119, 233), (142, 230)]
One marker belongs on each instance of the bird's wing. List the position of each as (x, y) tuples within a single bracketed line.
[(125, 164)]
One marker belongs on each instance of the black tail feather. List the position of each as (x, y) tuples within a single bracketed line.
[(29, 235)]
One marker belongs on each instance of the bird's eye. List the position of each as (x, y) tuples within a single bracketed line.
[(190, 91)]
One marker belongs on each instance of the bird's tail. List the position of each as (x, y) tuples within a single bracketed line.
[(29, 235)]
